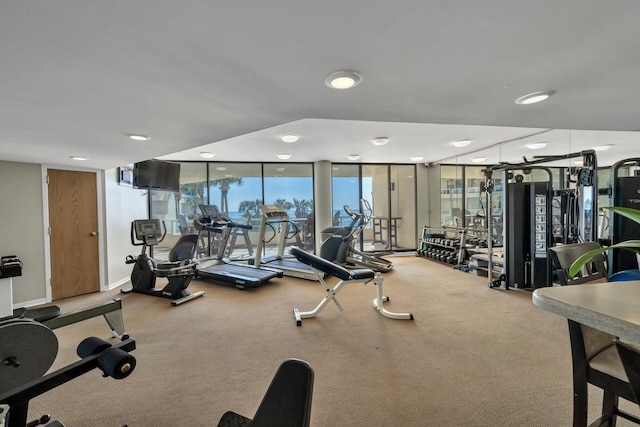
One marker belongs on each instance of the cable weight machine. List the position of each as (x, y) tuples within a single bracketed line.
[(624, 192), (528, 218)]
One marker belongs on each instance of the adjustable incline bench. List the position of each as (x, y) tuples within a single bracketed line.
[(361, 275)]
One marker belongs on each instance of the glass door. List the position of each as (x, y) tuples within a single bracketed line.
[(375, 189), (391, 191), (402, 219)]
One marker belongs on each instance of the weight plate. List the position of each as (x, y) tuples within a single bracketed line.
[(27, 352)]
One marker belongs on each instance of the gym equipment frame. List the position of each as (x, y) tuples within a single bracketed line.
[(51, 316), (339, 246), (29, 350), (362, 275), (587, 199), (217, 267), (276, 218), (625, 192)]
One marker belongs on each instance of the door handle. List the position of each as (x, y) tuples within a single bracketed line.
[(93, 233)]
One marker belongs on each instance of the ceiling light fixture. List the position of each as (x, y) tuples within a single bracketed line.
[(206, 155), (381, 140), (603, 147), (284, 156), (478, 159), (417, 158), (78, 158), (535, 97), (280, 169), (344, 79), (289, 138), (536, 145), (221, 168), (353, 156), (138, 137), (461, 143)]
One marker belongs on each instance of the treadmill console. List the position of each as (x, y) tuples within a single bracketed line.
[(273, 211), (210, 211)]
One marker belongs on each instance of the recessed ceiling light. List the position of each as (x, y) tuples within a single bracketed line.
[(534, 97), (353, 156), (381, 140), (417, 158), (78, 158), (289, 137), (139, 137), (284, 156), (206, 155), (345, 79), (478, 159), (461, 143), (536, 145), (603, 147)]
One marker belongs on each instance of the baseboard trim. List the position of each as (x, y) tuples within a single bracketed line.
[(116, 284)]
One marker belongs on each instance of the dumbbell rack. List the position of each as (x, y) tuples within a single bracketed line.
[(444, 244)]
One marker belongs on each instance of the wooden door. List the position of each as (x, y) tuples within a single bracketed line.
[(73, 224)]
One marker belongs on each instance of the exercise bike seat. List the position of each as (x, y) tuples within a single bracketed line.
[(180, 257), (184, 249)]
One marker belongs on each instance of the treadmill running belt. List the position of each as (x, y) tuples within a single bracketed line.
[(243, 276)]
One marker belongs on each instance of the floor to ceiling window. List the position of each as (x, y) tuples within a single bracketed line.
[(290, 186), (345, 192), (238, 190), (390, 191), (178, 209)]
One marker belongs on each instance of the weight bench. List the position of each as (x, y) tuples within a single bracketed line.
[(322, 266), (287, 402)]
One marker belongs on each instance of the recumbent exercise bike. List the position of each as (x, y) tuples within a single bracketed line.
[(179, 270)]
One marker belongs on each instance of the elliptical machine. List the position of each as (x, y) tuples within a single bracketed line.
[(339, 246), (179, 270)]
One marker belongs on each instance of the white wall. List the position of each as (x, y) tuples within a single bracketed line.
[(122, 205)]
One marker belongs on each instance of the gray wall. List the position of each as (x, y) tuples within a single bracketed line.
[(21, 227)]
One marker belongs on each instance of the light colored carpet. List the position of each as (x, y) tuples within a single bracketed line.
[(473, 356)]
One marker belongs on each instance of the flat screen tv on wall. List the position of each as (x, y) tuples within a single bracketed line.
[(157, 174)]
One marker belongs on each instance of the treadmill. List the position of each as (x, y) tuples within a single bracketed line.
[(276, 218), (217, 267)]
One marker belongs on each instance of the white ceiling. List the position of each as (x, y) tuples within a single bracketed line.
[(78, 76)]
